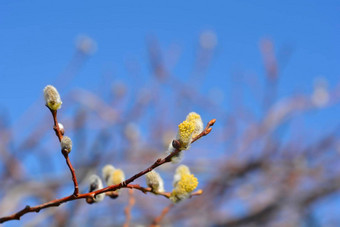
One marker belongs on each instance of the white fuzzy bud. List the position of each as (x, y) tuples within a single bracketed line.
[(95, 183), (154, 181), (66, 144), (52, 97), (61, 128)]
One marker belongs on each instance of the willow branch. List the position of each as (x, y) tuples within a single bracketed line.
[(164, 194), (56, 125), (59, 134), (206, 131), (74, 177), (91, 195)]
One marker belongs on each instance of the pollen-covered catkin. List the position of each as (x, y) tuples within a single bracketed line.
[(184, 135), (189, 129), (195, 118), (183, 185), (52, 97), (180, 170)]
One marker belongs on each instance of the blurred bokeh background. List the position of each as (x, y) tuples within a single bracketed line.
[(129, 73)]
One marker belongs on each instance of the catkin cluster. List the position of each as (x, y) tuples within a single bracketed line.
[(184, 182), (111, 176), (187, 130)]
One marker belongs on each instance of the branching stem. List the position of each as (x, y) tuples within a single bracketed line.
[(90, 195)]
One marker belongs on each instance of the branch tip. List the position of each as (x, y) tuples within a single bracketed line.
[(212, 122)]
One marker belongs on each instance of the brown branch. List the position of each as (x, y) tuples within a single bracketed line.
[(128, 208), (90, 195), (206, 131), (36, 209), (73, 173), (56, 125), (165, 194), (59, 134)]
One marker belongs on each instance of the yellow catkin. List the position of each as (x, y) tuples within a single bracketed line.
[(184, 187), (188, 183), (195, 118), (117, 176), (182, 169), (185, 130)]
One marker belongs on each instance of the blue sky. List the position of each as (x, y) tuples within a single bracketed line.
[(37, 42)]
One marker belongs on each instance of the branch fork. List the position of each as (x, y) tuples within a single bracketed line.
[(110, 190)]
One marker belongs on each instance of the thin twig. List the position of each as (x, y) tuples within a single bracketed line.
[(165, 194), (56, 125), (68, 162), (73, 173), (206, 131), (90, 195)]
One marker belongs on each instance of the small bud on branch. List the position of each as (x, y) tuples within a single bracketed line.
[(66, 145), (52, 97)]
